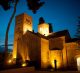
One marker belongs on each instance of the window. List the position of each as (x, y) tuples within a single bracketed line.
[(41, 29)]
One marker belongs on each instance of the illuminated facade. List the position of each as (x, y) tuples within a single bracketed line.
[(43, 29), (49, 50), (23, 23)]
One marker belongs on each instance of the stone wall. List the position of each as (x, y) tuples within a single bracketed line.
[(44, 53), (71, 53), (22, 24), (56, 43), (29, 47), (56, 55)]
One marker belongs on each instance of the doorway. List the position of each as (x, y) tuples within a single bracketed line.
[(78, 63)]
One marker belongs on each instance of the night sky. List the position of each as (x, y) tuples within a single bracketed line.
[(61, 13)]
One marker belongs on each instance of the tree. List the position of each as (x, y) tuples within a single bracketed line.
[(78, 29), (5, 4), (78, 32), (32, 4)]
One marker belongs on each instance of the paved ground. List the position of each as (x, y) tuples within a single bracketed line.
[(32, 70), (19, 70)]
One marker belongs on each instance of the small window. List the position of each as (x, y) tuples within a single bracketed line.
[(41, 29)]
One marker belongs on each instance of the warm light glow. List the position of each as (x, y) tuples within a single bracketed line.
[(26, 27), (25, 30), (56, 55), (15, 48), (44, 53), (58, 64), (14, 55), (78, 63), (53, 64), (10, 61), (43, 29), (24, 64)]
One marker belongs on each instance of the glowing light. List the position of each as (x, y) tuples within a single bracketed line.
[(26, 27), (56, 55), (24, 64), (53, 64), (10, 61), (44, 53), (14, 54), (78, 63), (43, 29)]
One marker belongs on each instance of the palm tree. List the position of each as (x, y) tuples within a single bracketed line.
[(78, 28)]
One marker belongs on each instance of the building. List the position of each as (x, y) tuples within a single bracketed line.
[(47, 49)]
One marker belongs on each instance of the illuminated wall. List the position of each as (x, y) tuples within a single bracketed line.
[(27, 23), (77, 57), (71, 54), (64, 56), (58, 45), (26, 28), (17, 33), (56, 55), (64, 50), (78, 63), (22, 50), (29, 49), (31, 46), (44, 53), (23, 23), (43, 29)]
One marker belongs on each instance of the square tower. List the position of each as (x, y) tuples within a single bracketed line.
[(23, 23), (43, 29)]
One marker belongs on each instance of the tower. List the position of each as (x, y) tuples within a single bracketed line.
[(44, 28), (23, 24)]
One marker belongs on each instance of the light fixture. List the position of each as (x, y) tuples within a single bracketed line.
[(9, 61), (24, 64)]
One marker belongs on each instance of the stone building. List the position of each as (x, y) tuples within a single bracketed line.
[(47, 49)]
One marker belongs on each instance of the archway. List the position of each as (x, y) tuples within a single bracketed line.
[(78, 63)]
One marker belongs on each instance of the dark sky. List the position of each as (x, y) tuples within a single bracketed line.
[(61, 13)]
